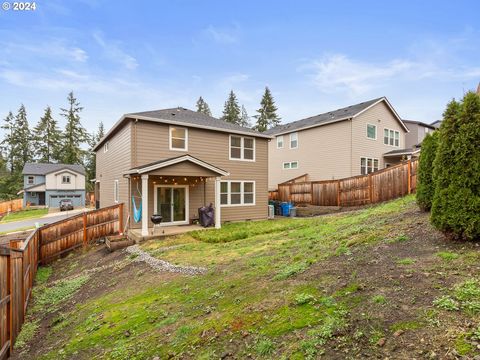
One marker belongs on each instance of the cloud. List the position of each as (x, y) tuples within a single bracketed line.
[(112, 51), (53, 48), (340, 73), (224, 35)]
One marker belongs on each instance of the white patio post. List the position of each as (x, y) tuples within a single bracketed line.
[(218, 225), (144, 205)]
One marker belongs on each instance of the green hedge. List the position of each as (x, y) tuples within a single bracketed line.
[(425, 183)]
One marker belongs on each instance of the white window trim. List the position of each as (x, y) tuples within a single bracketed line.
[(283, 142), (33, 180), (376, 132), (290, 165), (394, 132), (170, 138), (69, 179), (290, 142), (242, 148), (366, 164), (116, 192), (105, 147), (33, 194), (242, 182)]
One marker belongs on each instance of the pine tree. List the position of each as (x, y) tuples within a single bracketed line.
[(425, 183), (244, 118), (231, 110), (202, 107), (75, 134), (267, 114), (90, 162), (8, 143), (100, 132), (47, 138), (21, 138), (456, 202)]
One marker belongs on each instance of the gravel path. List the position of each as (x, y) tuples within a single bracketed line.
[(162, 265)]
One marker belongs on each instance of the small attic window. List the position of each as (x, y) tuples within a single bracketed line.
[(105, 147)]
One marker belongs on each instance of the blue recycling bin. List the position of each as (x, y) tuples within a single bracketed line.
[(286, 208)]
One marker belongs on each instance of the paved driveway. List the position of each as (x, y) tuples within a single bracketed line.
[(46, 219)]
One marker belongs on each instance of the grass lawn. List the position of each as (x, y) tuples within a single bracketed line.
[(24, 228), (378, 282), (23, 215)]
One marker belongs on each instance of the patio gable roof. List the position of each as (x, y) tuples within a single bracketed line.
[(176, 161)]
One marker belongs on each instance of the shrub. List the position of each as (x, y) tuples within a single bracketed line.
[(425, 185), (456, 202)]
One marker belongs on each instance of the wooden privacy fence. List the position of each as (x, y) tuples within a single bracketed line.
[(379, 186), (12, 205), (19, 262)]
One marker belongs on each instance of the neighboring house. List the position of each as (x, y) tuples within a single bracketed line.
[(172, 162), (47, 184), (436, 124), (354, 140), (417, 132)]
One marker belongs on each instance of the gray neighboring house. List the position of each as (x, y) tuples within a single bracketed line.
[(417, 132), (47, 184)]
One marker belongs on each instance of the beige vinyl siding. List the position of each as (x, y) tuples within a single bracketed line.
[(323, 152), (381, 116), (212, 147), (112, 164), (411, 139)]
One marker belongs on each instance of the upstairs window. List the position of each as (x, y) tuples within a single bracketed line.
[(372, 131), (290, 165), (31, 180), (280, 142), (178, 138), (105, 147), (242, 148), (66, 179), (391, 137), (293, 140)]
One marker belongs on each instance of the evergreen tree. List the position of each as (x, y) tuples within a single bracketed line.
[(21, 147), (267, 114), (231, 110), (75, 134), (456, 202), (100, 132), (244, 118), (202, 107), (425, 184), (90, 162), (47, 138), (8, 143)]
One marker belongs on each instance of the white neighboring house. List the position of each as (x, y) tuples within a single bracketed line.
[(47, 184)]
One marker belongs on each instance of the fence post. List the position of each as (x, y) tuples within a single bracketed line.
[(338, 192), (370, 188), (409, 175), (85, 241), (120, 218)]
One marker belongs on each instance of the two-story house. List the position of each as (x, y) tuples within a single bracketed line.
[(171, 162), (417, 132), (350, 141), (47, 184)]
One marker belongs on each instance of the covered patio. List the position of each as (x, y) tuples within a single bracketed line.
[(397, 156), (174, 189)]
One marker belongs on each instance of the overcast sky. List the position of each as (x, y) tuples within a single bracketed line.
[(316, 56)]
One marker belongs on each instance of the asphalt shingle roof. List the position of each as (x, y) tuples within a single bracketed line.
[(187, 117), (328, 117), (42, 168)]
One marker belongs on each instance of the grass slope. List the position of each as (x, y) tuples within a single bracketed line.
[(367, 283), (24, 215)]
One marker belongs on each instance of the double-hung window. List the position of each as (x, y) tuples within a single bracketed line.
[(242, 148), (372, 131), (237, 193), (391, 137), (31, 180), (294, 140), (105, 147), (66, 179), (280, 142), (178, 138), (368, 165)]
